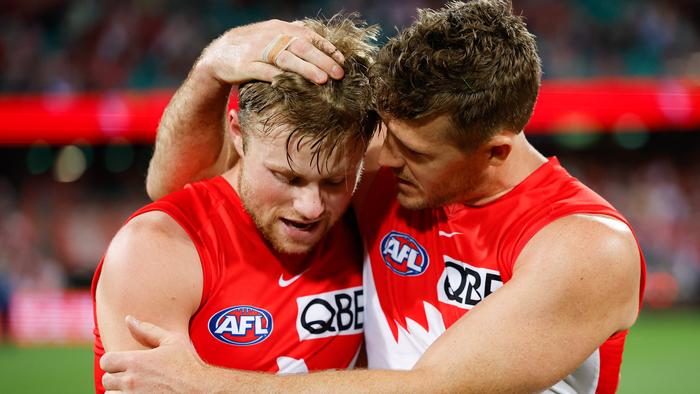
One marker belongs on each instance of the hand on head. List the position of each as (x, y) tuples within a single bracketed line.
[(263, 50)]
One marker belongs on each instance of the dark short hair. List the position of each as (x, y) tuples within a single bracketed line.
[(474, 61), (339, 111)]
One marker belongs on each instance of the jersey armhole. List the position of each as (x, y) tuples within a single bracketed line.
[(532, 227)]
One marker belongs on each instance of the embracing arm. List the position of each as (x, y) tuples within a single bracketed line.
[(575, 284), (192, 142)]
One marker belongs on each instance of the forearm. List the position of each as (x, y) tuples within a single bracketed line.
[(191, 133), (351, 381)]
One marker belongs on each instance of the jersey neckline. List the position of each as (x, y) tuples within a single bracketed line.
[(536, 177)]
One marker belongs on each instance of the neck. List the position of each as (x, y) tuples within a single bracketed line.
[(233, 176), (522, 161)]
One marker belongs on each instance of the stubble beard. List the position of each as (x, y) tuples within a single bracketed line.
[(419, 200), (247, 196), (439, 197), (418, 203)]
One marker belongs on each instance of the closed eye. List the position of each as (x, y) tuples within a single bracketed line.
[(289, 179), (410, 152), (335, 182), (418, 156)]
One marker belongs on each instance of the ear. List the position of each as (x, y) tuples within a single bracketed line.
[(500, 146), (236, 132)]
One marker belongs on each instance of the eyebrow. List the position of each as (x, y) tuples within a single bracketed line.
[(286, 171), (278, 167), (405, 145)]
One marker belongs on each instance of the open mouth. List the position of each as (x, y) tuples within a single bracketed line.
[(300, 225)]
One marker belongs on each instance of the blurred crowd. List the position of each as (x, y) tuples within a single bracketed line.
[(78, 45), (53, 231), (661, 198)]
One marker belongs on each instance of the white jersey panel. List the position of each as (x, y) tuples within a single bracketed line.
[(583, 380), (385, 352)]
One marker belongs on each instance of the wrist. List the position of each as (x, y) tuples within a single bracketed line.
[(203, 73), (217, 380), (208, 379)]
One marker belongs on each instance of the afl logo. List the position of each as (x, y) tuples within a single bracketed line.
[(403, 254), (241, 325)]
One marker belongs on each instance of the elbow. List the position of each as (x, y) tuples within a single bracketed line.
[(157, 186), (153, 189)]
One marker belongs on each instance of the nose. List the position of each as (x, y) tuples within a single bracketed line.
[(388, 156), (309, 203)]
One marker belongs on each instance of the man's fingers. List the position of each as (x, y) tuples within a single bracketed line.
[(264, 72), (329, 49), (297, 48), (146, 334), (312, 54), (112, 381), (118, 382), (322, 44), (113, 362), (290, 62)]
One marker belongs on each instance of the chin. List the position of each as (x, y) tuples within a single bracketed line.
[(420, 201), (291, 248), (284, 245), (412, 202)]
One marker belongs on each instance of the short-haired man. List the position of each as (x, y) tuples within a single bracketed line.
[(488, 267), (235, 262)]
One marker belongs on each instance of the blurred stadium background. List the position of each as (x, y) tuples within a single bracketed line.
[(82, 85)]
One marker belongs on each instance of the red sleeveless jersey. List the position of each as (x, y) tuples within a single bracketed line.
[(427, 268), (254, 315)]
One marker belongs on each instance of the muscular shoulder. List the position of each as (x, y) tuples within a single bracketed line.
[(154, 226), (153, 254), (154, 236), (605, 240), (587, 256)]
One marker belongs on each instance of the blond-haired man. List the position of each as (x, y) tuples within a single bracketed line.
[(235, 263)]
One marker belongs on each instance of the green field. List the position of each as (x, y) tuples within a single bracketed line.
[(46, 370), (662, 356)]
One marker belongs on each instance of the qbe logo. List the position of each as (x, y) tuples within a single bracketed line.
[(332, 313), (403, 254), (464, 286), (241, 325)]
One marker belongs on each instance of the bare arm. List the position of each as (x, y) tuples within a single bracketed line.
[(133, 279), (574, 285), (556, 310), (192, 142)]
